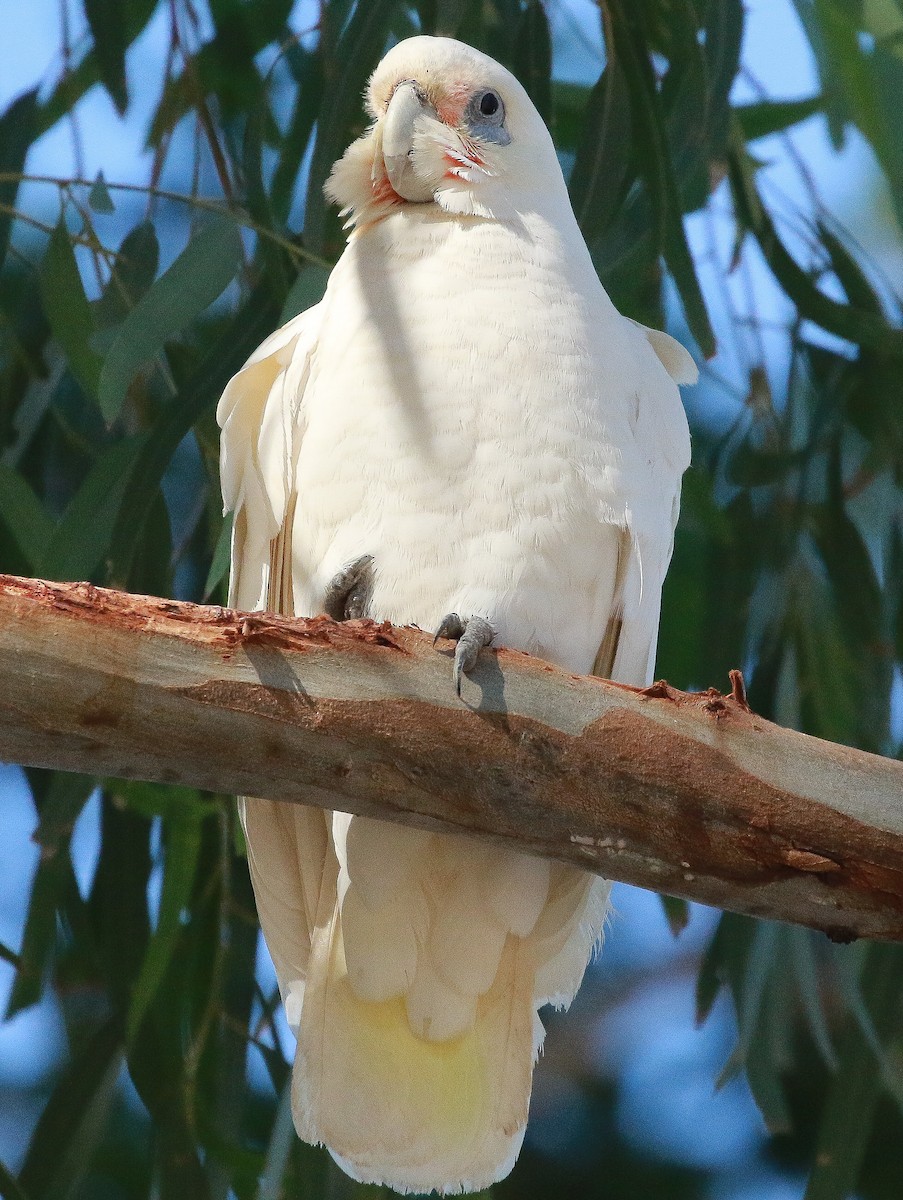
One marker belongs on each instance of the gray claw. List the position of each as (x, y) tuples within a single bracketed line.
[(451, 626), (349, 591), (471, 635)]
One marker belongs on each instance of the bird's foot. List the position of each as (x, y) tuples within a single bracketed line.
[(349, 591), (471, 634)]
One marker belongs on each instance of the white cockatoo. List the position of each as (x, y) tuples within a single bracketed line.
[(463, 425)]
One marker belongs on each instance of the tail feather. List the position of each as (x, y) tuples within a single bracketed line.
[(397, 1109), (415, 999)]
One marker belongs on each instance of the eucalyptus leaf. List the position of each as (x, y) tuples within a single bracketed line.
[(99, 196), (68, 310), (62, 1146), (182, 850), (133, 272), (65, 797), (219, 564), (533, 56), (849, 1111), (306, 291), (658, 171), (357, 52), (107, 22), (604, 152), (81, 538), (18, 129), (677, 913), (763, 117), (24, 515), (198, 277), (10, 1189)]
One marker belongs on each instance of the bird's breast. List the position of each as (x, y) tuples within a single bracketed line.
[(454, 430)]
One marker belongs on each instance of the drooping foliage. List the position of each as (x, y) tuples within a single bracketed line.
[(124, 310)]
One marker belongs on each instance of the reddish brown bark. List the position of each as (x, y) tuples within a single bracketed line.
[(691, 794)]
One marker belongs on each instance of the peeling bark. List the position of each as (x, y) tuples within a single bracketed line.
[(690, 794)]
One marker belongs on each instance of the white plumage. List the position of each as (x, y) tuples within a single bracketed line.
[(466, 406)]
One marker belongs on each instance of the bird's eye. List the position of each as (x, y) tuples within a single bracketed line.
[(489, 104), (486, 116)]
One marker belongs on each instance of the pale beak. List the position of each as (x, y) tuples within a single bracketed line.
[(405, 107)]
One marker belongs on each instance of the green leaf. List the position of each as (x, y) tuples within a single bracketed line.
[(99, 196), (749, 466), (18, 129), (569, 101), (657, 169), (765, 1085), (118, 899), (359, 49), (851, 982), (132, 274), (10, 956), (601, 168), (852, 278), (60, 809), (9, 1188), (849, 1111), (107, 22), (258, 202), (857, 590), (39, 937), (844, 320), (171, 802), (82, 76), (309, 71), (24, 515), (723, 960), (703, 63), (81, 539), (764, 117), (219, 566), (68, 310), (198, 277), (62, 1146), (749, 996), (182, 850), (805, 970), (306, 291), (842, 62), (198, 392), (533, 56), (64, 800), (677, 913)]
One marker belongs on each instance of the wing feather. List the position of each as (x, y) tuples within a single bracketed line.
[(627, 650), (261, 416)]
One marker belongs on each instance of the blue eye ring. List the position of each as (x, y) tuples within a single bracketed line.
[(486, 116)]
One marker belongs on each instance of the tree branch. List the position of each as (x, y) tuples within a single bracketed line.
[(689, 794)]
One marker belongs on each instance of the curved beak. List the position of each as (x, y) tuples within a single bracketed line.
[(405, 107)]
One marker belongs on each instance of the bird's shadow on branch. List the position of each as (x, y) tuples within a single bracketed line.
[(488, 677), (274, 671)]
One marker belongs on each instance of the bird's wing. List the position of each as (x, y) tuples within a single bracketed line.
[(573, 919), (627, 650), (261, 414)]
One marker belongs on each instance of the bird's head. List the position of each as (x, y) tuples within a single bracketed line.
[(450, 127)]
